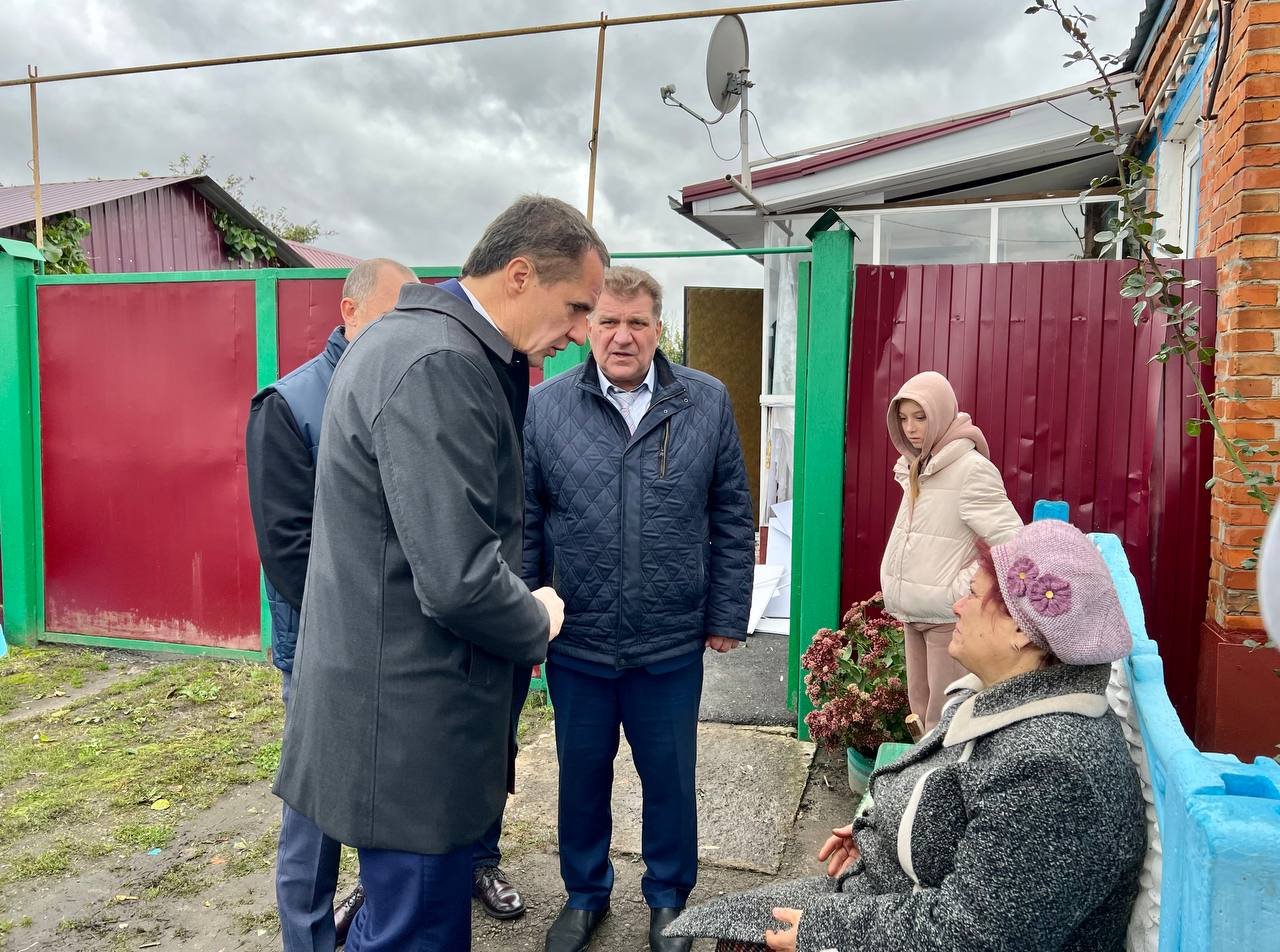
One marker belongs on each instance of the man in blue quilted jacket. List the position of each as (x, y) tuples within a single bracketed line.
[(637, 512)]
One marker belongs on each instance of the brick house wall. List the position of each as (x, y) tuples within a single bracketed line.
[(1239, 226)]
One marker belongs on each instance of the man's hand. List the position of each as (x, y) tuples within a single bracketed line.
[(784, 939), (554, 605), (722, 644), (840, 849)]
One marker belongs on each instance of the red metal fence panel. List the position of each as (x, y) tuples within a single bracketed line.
[(1047, 359), (144, 394)]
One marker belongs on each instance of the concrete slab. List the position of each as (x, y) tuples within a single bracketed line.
[(747, 685), (749, 787)]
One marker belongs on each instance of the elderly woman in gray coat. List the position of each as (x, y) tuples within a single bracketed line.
[(1016, 823)]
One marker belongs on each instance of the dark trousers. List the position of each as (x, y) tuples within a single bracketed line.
[(660, 716), (486, 852), (306, 879), (413, 902)]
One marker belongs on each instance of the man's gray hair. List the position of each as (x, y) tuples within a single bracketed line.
[(624, 281), (364, 277), (553, 235)]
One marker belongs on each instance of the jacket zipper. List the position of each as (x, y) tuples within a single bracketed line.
[(662, 452)]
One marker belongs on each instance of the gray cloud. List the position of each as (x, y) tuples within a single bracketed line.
[(409, 153)]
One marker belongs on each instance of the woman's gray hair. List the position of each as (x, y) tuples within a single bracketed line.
[(552, 234), (364, 277)]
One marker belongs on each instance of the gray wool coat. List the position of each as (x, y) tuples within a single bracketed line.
[(1016, 824), (397, 734)]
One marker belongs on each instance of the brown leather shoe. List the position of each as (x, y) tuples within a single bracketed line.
[(344, 912), (496, 894)]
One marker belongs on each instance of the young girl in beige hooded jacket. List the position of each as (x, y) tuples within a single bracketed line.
[(952, 494)]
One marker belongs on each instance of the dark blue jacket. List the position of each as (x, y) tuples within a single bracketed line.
[(282, 443), (649, 539)]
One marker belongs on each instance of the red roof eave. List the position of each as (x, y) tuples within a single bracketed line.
[(838, 157)]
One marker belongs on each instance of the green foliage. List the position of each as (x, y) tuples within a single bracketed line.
[(62, 251), (244, 243), (671, 344)]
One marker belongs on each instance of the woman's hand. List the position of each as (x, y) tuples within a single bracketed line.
[(840, 849), (784, 939)]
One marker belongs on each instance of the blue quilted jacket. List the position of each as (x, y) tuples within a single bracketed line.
[(648, 538)]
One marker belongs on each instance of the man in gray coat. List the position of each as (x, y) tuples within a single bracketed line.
[(398, 736)]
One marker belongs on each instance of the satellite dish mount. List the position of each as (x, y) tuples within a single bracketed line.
[(727, 83)]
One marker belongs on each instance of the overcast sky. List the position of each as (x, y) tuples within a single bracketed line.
[(409, 153)]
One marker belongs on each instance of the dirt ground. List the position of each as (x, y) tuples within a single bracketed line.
[(135, 813)]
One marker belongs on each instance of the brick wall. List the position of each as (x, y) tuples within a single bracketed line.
[(1240, 226)]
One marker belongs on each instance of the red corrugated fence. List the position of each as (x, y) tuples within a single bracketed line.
[(1046, 358)]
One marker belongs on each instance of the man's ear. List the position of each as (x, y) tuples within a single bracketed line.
[(520, 275), (347, 308)]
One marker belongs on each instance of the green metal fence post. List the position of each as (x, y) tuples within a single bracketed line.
[(796, 646), (822, 369), (19, 522), (266, 316)]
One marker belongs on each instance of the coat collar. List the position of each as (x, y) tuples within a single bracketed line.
[(445, 299), (335, 345), (1057, 689), (939, 461), (666, 382), (972, 712)]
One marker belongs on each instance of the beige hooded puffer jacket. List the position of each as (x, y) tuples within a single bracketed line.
[(929, 560)]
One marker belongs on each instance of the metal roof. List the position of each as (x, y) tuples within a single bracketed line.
[(17, 203), (821, 158), (322, 257), (1151, 12)]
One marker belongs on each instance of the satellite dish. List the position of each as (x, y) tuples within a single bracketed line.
[(726, 61), (1269, 576)]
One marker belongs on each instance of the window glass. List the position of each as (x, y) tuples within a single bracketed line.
[(1052, 232), (941, 236)]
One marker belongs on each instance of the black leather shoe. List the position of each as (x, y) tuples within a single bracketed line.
[(659, 919), (496, 894), (344, 912), (572, 930)]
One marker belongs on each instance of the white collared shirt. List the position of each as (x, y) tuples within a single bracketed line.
[(480, 309), (640, 406)]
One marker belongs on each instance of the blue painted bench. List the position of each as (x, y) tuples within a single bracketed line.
[(1211, 882)]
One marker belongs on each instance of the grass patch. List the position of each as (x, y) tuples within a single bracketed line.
[(535, 714), (265, 922), (256, 855), (33, 673), (181, 879), (143, 836), (128, 765)]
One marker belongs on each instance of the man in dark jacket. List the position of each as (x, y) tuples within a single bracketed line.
[(282, 440), (398, 738), (637, 511)]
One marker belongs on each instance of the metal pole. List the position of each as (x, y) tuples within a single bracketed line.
[(32, 72), (441, 40), (595, 121), (742, 130)]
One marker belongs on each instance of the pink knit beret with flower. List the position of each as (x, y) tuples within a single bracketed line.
[(1058, 589)]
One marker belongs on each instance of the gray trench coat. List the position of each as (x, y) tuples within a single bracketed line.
[(397, 735)]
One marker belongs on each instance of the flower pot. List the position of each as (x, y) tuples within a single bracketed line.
[(860, 768)]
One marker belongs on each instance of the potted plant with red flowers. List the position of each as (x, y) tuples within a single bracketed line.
[(857, 682)]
